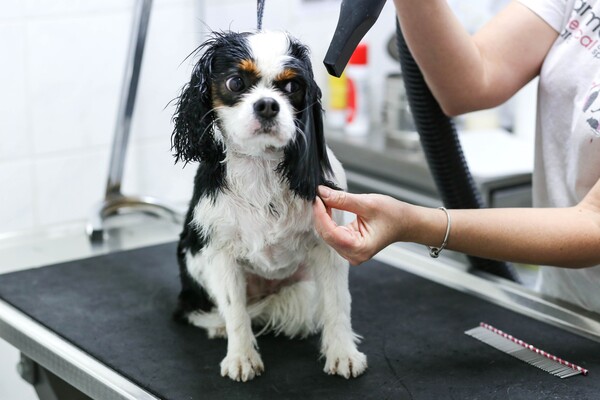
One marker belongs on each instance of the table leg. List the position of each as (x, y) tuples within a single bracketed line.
[(47, 385)]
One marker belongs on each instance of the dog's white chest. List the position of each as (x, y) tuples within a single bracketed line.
[(267, 229)]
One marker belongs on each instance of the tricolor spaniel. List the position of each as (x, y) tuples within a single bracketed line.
[(251, 116)]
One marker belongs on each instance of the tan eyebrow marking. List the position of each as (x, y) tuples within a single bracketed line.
[(286, 75), (249, 66)]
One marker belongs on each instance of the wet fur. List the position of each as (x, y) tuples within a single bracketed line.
[(248, 253)]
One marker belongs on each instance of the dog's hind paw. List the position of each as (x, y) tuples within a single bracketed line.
[(347, 365), (242, 366)]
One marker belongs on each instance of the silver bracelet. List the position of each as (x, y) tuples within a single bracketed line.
[(434, 252)]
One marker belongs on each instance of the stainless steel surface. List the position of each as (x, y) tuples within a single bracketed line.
[(397, 122), (362, 183), (371, 156), (498, 291), (32, 249), (114, 201), (377, 163)]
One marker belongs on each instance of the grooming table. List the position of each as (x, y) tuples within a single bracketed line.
[(103, 324)]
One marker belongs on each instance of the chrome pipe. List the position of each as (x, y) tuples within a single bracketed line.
[(114, 200), (137, 42)]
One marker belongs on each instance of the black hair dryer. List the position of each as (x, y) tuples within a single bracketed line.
[(356, 18)]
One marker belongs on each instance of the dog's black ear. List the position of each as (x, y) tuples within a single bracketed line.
[(193, 134), (306, 164)]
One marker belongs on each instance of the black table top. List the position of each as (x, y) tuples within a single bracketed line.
[(117, 308)]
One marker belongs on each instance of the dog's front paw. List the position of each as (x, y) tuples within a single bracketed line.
[(346, 364), (242, 366)]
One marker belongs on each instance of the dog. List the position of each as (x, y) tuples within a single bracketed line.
[(249, 255)]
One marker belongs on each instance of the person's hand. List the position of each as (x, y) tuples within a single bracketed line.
[(378, 221)]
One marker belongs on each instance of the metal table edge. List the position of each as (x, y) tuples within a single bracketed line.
[(503, 293), (64, 359)]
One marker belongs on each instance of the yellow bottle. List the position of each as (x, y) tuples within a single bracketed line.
[(338, 101)]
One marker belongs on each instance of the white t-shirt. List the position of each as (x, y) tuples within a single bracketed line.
[(567, 158)]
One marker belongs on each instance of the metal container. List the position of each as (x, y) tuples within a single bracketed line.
[(398, 123)]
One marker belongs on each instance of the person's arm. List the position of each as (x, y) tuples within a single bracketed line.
[(564, 237), (468, 73)]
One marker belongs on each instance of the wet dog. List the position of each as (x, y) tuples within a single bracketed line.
[(251, 117)]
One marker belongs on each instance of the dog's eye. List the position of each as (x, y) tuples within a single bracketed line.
[(235, 84), (291, 87)]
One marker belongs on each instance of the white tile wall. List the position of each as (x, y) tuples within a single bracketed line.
[(13, 9), (75, 66), (43, 8), (61, 69), (14, 140), (17, 194), (150, 170), (67, 185), (172, 37)]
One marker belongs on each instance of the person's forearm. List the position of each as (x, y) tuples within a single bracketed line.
[(565, 237)]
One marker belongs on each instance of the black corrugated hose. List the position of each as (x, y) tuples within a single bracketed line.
[(443, 151)]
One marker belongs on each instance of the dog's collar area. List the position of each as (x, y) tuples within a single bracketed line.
[(269, 153)]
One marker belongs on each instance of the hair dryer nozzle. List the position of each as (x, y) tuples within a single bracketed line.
[(356, 18)]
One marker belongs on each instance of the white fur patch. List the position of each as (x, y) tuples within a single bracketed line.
[(272, 240), (270, 52)]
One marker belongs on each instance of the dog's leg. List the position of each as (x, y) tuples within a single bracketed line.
[(338, 341), (226, 280)]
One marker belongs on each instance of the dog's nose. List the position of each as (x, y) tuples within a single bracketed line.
[(266, 107)]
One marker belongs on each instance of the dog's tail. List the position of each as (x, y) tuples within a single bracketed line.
[(214, 320), (286, 311), (290, 311)]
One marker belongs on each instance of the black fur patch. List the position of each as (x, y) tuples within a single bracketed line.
[(306, 163), (192, 297), (194, 119)]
